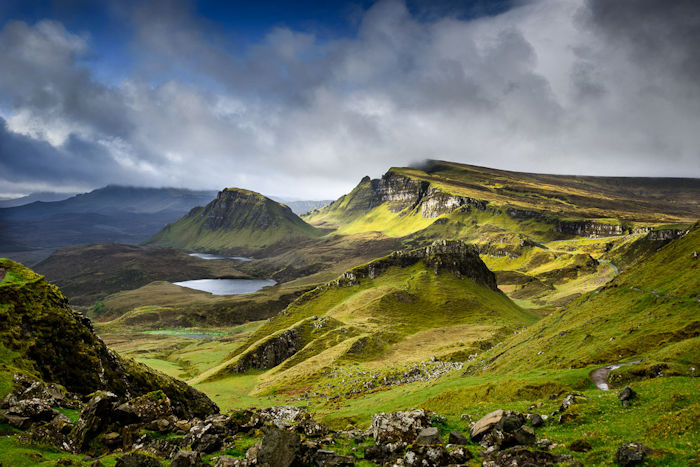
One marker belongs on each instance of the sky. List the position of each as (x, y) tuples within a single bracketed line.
[(303, 98)]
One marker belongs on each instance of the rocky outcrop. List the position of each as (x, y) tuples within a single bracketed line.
[(589, 228), (270, 352), (453, 256), (235, 208), (399, 427), (666, 234), (404, 193), (62, 347)]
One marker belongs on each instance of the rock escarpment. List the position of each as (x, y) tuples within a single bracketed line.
[(453, 256), (403, 193), (269, 353)]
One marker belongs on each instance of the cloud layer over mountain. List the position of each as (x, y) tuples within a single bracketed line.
[(596, 87)]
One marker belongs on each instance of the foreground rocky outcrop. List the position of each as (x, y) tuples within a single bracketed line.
[(145, 431), (58, 345)]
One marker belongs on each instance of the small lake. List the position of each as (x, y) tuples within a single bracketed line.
[(227, 286), (209, 256)]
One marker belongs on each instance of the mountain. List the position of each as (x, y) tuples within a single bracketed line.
[(111, 214), (406, 200), (238, 221), (300, 207), (43, 338), (442, 296), (45, 196)]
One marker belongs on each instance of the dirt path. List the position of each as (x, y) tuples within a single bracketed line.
[(599, 376), (610, 264)]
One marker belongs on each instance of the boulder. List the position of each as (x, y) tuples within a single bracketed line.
[(458, 454), (327, 458), (632, 453), (428, 436), (485, 423), (521, 456), (94, 418), (137, 459), (278, 447), (186, 459), (226, 461), (435, 455), (143, 409), (457, 437), (627, 395), (36, 410), (536, 420), (399, 426)]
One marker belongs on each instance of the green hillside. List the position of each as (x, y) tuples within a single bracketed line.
[(238, 221), (437, 302), (650, 311)]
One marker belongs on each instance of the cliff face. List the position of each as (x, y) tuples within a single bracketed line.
[(59, 345), (402, 193), (452, 256)]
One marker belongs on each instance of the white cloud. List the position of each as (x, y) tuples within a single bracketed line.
[(548, 86)]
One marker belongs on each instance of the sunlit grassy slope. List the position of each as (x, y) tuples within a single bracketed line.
[(380, 321), (651, 310)]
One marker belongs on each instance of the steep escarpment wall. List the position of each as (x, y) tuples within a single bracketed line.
[(453, 256)]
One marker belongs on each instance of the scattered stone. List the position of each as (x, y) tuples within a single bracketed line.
[(632, 453), (580, 445), (428, 436), (137, 459), (226, 461), (186, 459), (399, 426), (426, 456), (627, 395), (327, 458), (536, 420), (457, 438), (571, 399), (466, 416), (144, 409), (520, 456)]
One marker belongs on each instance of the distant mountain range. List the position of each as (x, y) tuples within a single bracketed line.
[(114, 213), (45, 196)]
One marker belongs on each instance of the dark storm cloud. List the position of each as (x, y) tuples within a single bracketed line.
[(548, 86), (658, 35)]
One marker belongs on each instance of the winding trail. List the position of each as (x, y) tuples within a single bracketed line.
[(599, 376)]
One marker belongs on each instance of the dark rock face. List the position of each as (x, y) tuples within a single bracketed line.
[(270, 353), (457, 438), (94, 418), (443, 255), (585, 228), (402, 193), (136, 459), (278, 447), (536, 420), (631, 454)]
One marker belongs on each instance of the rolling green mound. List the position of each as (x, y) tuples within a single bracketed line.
[(441, 298), (237, 222), (42, 337), (652, 311)]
